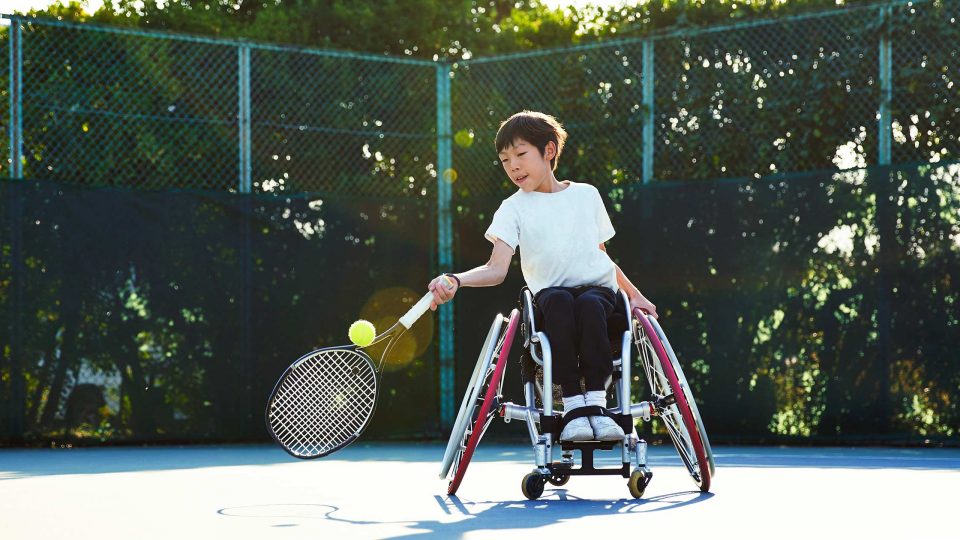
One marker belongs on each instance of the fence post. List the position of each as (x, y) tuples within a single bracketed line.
[(244, 187), (16, 99), (16, 406), (648, 111), (885, 127), (445, 240), (886, 227), (243, 120)]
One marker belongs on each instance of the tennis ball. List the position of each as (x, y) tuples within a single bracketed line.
[(361, 333)]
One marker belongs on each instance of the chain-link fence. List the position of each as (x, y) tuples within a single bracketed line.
[(767, 98), (925, 42), (108, 106), (745, 101), (382, 157), (126, 107), (595, 91), (342, 124)]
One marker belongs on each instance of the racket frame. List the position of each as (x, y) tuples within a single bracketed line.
[(376, 392)]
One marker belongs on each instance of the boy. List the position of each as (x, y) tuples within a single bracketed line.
[(560, 229)]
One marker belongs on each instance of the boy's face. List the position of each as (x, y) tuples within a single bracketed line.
[(526, 166)]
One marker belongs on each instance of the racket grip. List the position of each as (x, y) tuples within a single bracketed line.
[(416, 311), (421, 307)]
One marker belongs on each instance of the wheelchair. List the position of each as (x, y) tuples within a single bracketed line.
[(670, 400)]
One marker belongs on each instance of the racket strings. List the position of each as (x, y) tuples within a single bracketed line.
[(324, 418), (324, 401), (306, 399)]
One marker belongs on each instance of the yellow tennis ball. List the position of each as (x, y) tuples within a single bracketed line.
[(361, 333)]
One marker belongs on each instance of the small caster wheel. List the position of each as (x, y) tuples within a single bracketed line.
[(638, 483), (558, 479), (532, 485)]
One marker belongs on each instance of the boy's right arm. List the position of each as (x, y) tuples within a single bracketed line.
[(487, 275)]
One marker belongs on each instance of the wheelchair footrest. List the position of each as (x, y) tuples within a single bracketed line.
[(586, 449), (555, 423)]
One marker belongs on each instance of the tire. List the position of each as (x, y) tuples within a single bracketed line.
[(664, 376), (558, 479), (532, 486), (638, 483), (484, 409)]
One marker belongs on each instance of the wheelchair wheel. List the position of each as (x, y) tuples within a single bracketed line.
[(690, 400), (638, 483), (558, 479), (481, 411), (487, 353), (674, 401), (532, 485)]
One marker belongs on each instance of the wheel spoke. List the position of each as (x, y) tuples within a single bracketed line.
[(681, 440)]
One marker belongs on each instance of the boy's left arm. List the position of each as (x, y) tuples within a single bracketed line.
[(637, 299)]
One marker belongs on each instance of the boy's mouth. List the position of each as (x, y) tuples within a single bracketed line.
[(520, 179)]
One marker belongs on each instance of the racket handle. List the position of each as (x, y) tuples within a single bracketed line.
[(421, 307), (416, 311)]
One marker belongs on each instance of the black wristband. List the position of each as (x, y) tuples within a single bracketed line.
[(455, 278)]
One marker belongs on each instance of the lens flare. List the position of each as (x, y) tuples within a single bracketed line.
[(383, 308)]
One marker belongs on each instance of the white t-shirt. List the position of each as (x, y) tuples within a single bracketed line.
[(559, 236)]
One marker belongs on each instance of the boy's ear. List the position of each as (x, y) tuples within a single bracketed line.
[(550, 150)]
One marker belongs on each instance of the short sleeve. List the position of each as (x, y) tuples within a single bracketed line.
[(604, 226), (505, 226)]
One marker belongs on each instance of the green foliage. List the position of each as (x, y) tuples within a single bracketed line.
[(428, 29)]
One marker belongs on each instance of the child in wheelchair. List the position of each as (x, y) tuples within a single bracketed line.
[(560, 229), (574, 300)]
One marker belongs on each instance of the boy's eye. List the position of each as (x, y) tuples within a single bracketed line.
[(521, 153)]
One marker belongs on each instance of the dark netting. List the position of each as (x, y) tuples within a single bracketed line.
[(819, 306), (11, 385), (169, 316)]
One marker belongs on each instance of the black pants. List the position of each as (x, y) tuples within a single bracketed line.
[(575, 320)]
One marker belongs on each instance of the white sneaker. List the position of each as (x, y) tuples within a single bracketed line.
[(578, 430), (605, 429)]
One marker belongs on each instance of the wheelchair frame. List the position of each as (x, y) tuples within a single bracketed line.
[(671, 400)]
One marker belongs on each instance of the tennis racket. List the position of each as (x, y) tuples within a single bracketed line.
[(325, 399)]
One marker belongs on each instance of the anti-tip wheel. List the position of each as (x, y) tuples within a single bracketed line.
[(558, 479), (638, 483), (532, 485)]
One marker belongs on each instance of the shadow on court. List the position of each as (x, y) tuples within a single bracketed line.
[(556, 506)]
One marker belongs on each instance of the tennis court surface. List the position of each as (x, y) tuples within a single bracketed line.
[(392, 491)]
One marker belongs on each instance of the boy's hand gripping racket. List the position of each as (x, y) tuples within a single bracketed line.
[(325, 400)]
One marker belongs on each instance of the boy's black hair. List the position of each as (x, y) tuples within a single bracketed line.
[(534, 127)]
